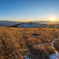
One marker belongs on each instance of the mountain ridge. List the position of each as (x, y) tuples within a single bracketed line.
[(12, 23)]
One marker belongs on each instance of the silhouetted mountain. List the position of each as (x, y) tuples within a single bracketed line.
[(29, 25)]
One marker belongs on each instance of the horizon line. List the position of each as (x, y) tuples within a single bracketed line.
[(28, 20)]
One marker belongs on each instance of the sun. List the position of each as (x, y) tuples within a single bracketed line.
[(52, 19)]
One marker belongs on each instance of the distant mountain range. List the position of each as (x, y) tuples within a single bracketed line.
[(47, 22), (12, 23), (8, 23)]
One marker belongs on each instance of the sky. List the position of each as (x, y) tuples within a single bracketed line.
[(29, 10)]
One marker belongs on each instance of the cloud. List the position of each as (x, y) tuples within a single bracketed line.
[(30, 19)]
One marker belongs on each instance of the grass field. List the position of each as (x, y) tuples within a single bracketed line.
[(17, 43)]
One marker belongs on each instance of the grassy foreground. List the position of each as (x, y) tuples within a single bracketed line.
[(16, 42)]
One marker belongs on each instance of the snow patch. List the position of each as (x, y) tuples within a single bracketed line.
[(39, 44), (54, 56), (52, 42), (26, 56)]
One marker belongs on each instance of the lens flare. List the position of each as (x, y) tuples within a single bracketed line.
[(52, 19)]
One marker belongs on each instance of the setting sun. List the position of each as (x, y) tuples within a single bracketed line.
[(52, 19)]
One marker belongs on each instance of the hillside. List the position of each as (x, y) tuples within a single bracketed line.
[(29, 25), (25, 43), (35, 25)]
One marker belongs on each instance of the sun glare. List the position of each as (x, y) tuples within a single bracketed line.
[(52, 19)]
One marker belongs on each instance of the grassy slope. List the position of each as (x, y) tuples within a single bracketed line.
[(15, 42)]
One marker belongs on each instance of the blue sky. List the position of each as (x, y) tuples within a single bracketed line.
[(29, 9)]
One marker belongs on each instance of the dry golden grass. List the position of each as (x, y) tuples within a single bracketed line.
[(15, 42), (56, 44)]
